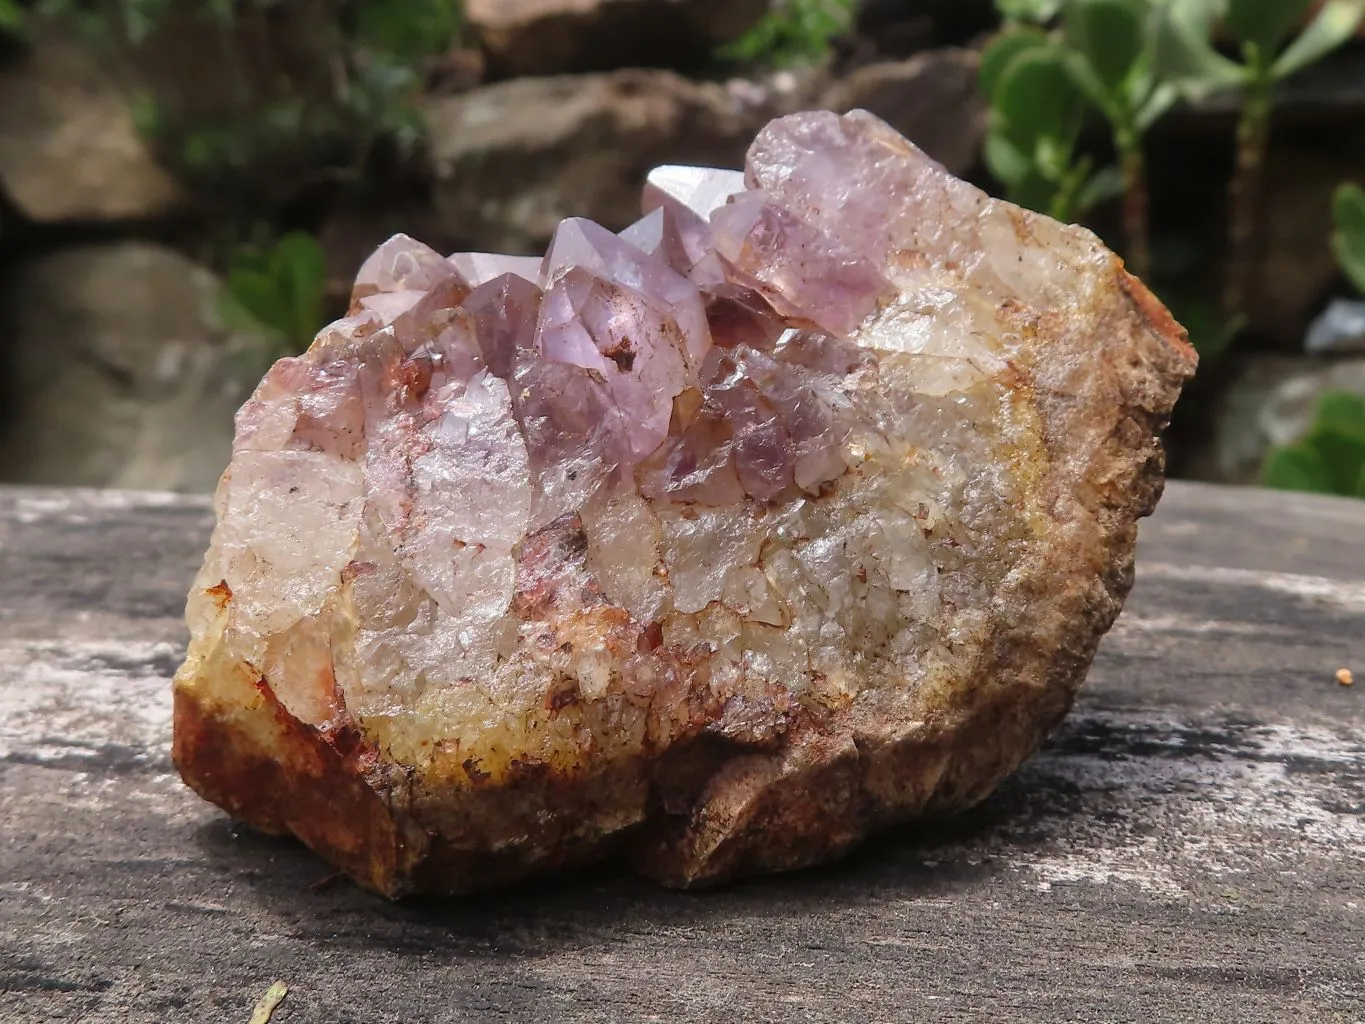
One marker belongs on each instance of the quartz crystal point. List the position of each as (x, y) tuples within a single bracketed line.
[(794, 511)]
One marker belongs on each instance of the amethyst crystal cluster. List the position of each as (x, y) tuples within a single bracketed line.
[(795, 509)]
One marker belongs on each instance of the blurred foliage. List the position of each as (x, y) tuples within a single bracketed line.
[(11, 16), (1033, 12), (1036, 115), (1042, 85), (792, 32), (1331, 457), (1189, 60), (1058, 62), (1263, 32), (287, 93), (1348, 233), (276, 292)]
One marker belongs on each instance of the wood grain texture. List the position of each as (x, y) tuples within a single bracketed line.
[(1190, 847)]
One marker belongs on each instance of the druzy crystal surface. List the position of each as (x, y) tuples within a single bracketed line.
[(794, 510)]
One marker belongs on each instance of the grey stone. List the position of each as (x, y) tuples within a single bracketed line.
[(545, 37), (933, 99), (69, 149), (1338, 328), (1270, 402), (117, 371), (513, 159)]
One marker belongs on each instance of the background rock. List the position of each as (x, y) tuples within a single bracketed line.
[(894, 29), (1270, 401), (1338, 328), (933, 99), (69, 149), (512, 159), (545, 37), (116, 373)]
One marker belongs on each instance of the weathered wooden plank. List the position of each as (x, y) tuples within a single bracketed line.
[(1190, 847)]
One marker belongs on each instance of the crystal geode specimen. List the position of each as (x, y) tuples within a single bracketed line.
[(795, 510)]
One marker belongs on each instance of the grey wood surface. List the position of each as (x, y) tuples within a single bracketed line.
[(1191, 847)]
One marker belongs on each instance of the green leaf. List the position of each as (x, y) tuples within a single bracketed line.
[(1183, 55), (11, 16), (258, 296), (235, 317), (1070, 180), (1199, 16), (1053, 157), (1264, 23), (1342, 454), (1002, 49), (1112, 103), (1359, 491), (1006, 162), (1338, 437), (1342, 412), (299, 268), (1037, 11), (797, 31), (1334, 24), (1024, 184), (1037, 99), (1102, 186), (1158, 101), (1348, 235), (1109, 34), (409, 28), (1296, 467), (1037, 193)]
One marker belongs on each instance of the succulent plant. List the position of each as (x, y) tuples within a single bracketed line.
[(1348, 234), (1041, 85), (276, 292), (1187, 60), (1110, 54), (1037, 112), (1330, 459)]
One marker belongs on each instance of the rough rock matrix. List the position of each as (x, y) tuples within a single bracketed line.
[(795, 510)]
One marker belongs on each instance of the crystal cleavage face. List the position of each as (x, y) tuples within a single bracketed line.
[(794, 510)]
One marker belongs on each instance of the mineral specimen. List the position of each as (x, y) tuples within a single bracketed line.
[(793, 511)]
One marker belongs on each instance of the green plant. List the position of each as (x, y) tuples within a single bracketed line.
[(1036, 114), (276, 292), (1041, 85), (11, 17), (301, 92), (104, 20), (1034, 12), (1348, 232), (793, 32), (1110, 55), (1331, 457), (1263, 31)]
